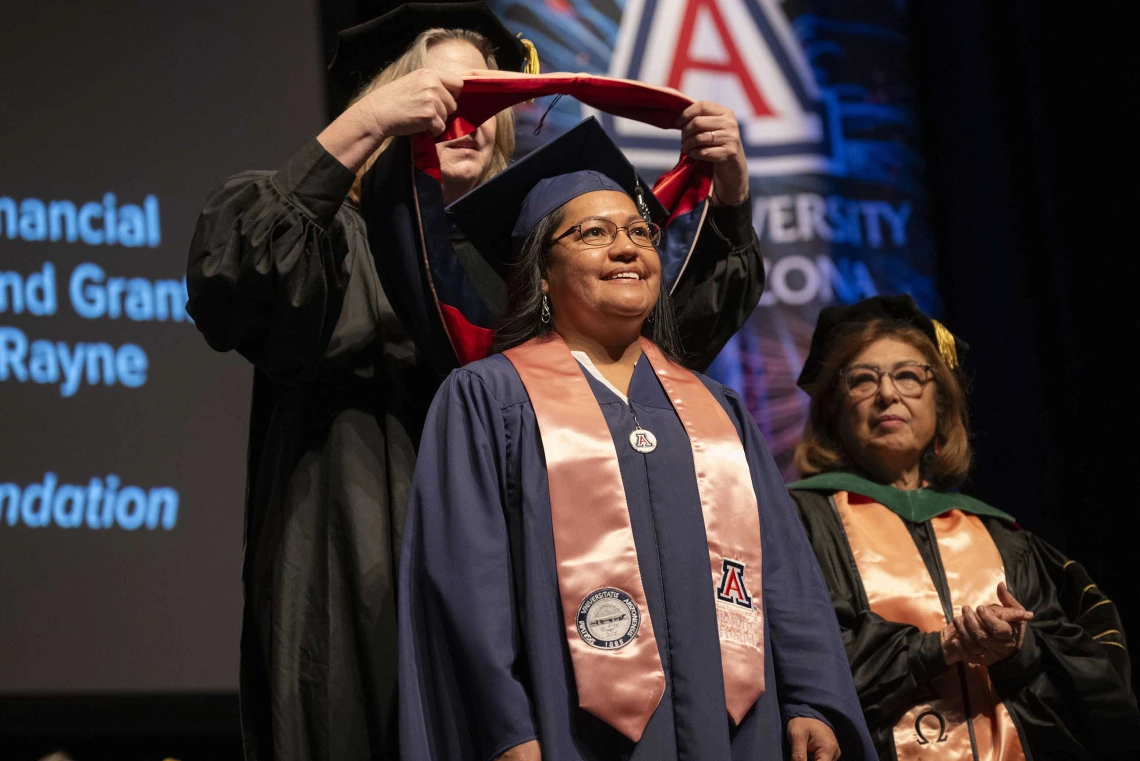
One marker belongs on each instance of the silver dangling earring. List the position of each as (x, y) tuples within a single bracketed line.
[(649, 318), (545, 316)]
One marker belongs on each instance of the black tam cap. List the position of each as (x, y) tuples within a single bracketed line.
[(498, 215), (838, 321), (363, 51)]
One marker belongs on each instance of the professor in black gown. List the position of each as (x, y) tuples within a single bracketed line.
[(968, 637), (281, 271)]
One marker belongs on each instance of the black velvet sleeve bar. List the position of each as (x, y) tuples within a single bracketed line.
[(1069, 685), (722, 283)]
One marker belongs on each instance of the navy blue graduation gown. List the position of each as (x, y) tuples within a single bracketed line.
[(281, 271), (484, 663)]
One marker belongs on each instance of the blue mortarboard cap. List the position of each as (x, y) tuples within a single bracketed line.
[(547, 195), (582, 160)]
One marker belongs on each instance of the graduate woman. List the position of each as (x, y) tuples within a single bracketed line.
[(601, 560), (281, 270), (968, 637)]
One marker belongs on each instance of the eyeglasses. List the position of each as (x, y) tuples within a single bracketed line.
[(909, 379), (602, 232)]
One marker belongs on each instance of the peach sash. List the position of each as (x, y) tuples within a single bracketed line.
[(732, 528), (617, 667), (963, 718)]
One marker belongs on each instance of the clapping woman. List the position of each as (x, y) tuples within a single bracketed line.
[(968, 637)]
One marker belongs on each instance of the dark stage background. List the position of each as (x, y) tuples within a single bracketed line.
[(122, 643), (1031, 174), (121, 629)]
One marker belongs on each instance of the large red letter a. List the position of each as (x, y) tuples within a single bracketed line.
[(683, 60)]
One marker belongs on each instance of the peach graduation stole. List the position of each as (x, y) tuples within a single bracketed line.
[(617, 667), (963, 718)]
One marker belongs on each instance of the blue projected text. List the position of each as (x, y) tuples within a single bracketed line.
[(95, 223), (101, 503), (70, 365)]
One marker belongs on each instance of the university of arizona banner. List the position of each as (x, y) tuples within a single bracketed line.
[(824, 96)]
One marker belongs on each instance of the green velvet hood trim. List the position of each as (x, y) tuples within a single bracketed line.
[(916, 506)]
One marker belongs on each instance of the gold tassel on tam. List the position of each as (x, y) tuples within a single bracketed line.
[(531, 66), (946, 344)]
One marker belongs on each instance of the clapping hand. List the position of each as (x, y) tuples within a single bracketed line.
[(988, 634)]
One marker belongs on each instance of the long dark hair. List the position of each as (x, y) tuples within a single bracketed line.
[(523, 318)]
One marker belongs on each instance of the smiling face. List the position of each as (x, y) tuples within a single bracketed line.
[(887, 430), (603, 291), (464, 161)]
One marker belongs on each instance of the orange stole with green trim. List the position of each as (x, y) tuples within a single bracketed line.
[(963, 718)]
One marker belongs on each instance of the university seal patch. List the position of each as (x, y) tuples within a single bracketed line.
[(608, 619)]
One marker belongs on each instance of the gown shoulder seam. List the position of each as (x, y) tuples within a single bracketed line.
[(300, 208), (487, 389)]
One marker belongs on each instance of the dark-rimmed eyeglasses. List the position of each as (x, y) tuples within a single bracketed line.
[(602, 232), (909, 379)]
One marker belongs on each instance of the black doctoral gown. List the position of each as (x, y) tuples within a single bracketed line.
[(1067, 688), (280, 270)]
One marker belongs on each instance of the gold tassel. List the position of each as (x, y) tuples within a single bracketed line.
[(946, 344), (531, 66)]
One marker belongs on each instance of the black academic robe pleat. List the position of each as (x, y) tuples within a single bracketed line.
[(280, 270), (484, 663), (1068, 687)]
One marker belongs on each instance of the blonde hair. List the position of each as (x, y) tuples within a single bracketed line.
[(415, 57)]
